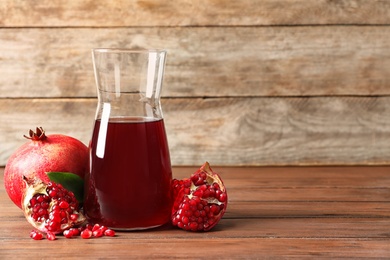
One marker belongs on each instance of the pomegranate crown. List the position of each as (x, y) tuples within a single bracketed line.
[(39, 135)]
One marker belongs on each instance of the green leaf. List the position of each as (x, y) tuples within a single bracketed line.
[(69, 181)]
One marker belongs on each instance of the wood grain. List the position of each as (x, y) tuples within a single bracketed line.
[(286, 82), (252, 228), (232, 131), (96, 13), (205, 61), (236, 248)]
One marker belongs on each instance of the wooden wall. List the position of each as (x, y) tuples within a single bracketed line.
[(266, 82)]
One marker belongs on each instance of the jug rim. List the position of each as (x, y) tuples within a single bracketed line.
[(128, 50)]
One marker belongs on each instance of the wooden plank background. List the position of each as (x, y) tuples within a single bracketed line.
[(287, 82)]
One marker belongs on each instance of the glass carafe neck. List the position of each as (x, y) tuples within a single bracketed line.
[(129, 82)]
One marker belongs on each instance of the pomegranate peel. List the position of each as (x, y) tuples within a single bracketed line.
[(200, 201)]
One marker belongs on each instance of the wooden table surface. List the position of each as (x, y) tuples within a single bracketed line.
[(315, 212)]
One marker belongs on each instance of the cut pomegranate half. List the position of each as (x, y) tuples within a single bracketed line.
[(50, 208), (200, 201)]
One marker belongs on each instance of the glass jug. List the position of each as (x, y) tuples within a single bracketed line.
[(128, 184)]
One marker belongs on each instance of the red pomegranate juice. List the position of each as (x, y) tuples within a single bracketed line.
[(128, 186)]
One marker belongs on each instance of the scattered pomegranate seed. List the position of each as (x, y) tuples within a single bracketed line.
[(86, 234), (95, 227), (68, 233), (89, 226), (50, 236), (109, 233), (87, 231), (103, 228), (75, 231), (36, 235), (97, 233)]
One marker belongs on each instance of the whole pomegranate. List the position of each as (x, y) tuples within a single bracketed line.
[(42, 154), (200, 201)]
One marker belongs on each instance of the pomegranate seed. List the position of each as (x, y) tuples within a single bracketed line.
[(33, 201), (36, 235), (86, 234), (64, 205), (97, 233), (50, 236), (109, 233), (186, 206), (56, 207), (53, 193), (95, 227), (214, 209), (193, 202), (89, 226), (81, 229), (176, 220), (207, 194), (63, 214), (180, 225), (40, 198), (73, 217), (185, 220), (36, 208), (55, 216), (103, 228), (45, 205), (75, 231), (53, 226), (68, 233), (222, 197)]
